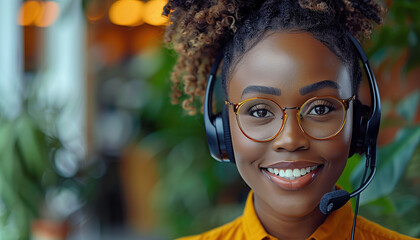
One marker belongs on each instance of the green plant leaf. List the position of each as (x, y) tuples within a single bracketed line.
[(415, 230), (408, 106), (406, 203), (8, 168), (382, 206), (32, 145), (345, 180), (392, 162)]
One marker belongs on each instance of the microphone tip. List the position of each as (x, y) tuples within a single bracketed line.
[(333, 200)]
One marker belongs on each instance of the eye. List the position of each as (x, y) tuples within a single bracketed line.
[(260, 111), (321, 107), (320, 110)]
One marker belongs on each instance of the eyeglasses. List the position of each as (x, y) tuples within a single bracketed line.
[(262, 119)]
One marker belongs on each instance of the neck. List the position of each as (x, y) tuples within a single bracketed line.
[(287, 227)]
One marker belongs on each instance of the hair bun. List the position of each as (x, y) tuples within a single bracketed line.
[(355, 15)]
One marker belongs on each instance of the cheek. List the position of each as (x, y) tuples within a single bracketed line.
[(344, 138), (246, 151), (340, 144), (336, 150)]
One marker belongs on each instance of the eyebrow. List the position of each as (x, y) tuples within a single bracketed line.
[(261, 89), (317, 86)]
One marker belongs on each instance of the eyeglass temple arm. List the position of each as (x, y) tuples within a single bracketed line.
[(346, 101)]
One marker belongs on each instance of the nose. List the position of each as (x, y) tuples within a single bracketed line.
[(291, 138)]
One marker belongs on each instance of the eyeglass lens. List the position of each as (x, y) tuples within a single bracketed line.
[(261, 119)]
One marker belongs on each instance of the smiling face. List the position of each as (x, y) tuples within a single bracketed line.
[(289, 69)]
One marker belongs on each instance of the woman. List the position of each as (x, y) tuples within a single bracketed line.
[(291, 76)]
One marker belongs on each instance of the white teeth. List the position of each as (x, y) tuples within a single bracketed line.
[(291, 174), (282, 173)]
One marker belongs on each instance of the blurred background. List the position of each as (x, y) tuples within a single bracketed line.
[(91, 147)]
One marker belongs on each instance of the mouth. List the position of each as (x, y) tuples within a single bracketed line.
[(292, 174), (292, 177)]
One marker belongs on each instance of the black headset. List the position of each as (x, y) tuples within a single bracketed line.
[(366, 122)]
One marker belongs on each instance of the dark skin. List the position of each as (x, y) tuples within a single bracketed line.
[(290, 68)]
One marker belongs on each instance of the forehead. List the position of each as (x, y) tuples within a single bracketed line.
[(287, 60)]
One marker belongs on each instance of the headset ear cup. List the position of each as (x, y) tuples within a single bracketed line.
[(227, 136), (360, 118), (356, 127)]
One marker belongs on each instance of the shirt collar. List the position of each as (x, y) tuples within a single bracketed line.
[(253, 227), (336, 226)]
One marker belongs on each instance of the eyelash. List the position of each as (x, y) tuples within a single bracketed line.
[(257, 107), (320, 103)]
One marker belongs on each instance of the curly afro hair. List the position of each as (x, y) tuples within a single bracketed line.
[(200, 29)]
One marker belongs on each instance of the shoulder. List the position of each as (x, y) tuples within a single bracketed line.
[(230, 230), (366, 229)]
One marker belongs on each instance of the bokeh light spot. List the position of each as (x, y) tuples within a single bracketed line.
[(153, 13), (95, 10), (28, 12), (66, 163), (126, 12), (48, 14), (40, 14)]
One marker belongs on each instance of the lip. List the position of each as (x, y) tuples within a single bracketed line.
[(294, 184)]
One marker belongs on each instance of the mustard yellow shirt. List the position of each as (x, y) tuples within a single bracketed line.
[(337, 225)]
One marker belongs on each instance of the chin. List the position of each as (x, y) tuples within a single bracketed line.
[(286, 203)]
